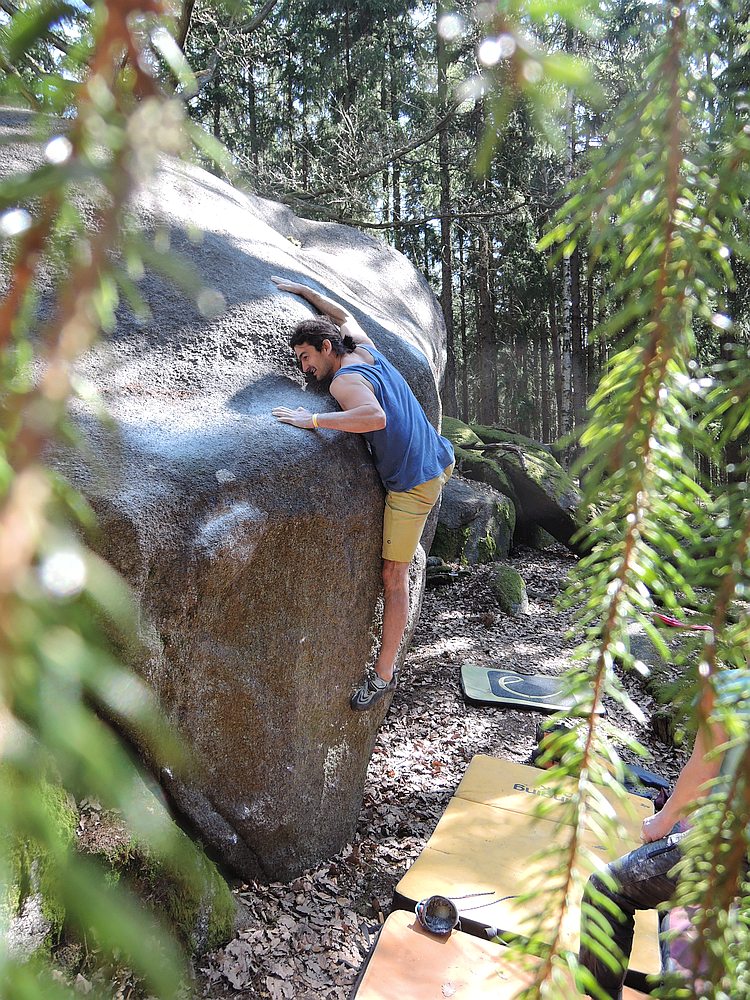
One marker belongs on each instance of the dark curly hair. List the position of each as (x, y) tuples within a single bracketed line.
[(315, 331)]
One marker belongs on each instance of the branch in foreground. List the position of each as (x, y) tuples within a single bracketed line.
[(55, 39)]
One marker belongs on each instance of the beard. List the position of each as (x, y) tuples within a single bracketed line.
[(317, 385)]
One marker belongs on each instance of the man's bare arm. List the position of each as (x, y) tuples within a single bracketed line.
[(360, 412), (333, 310), (689, 784)]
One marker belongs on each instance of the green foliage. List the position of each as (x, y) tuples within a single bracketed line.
[(65, 230), (662, 210)]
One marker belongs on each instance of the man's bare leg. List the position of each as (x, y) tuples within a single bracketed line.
[(395, 615)]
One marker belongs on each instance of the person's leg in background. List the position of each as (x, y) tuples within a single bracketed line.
[(638, 881)]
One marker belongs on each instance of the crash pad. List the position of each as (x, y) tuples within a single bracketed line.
[(493, 686), (409, 962), (506, 784), (478, 849)]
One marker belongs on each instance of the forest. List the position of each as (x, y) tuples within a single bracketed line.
[(570, 178), (457, 142)]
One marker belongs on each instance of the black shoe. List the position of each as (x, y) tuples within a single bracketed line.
[(369, 693)]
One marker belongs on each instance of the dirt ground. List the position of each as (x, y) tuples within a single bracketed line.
[(307, 939)]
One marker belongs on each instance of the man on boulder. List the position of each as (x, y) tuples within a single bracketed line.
[(412, 459)]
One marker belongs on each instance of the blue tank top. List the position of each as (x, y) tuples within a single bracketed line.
[(408, 451)]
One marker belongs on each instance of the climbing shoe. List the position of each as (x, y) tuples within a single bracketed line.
[(369, 693)]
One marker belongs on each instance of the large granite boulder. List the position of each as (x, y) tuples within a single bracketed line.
[(253, 547)]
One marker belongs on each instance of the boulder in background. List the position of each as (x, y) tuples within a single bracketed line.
[(475, 524)]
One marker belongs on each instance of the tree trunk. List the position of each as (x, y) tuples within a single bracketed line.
[(578, 350), (384, 108), (349, 99), (544, 383), (523, 346), (252, 114), (591, 373), (486, 342), (217, 103), (569, 284), (305, 144), (462, 320), (566, 355), (556, 359), (395, 168), (450, 402), (183, 23), (290, 115)]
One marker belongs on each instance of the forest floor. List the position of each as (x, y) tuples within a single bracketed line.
[(307, 938)]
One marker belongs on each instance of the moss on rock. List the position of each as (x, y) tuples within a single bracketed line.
[(485, 470), (498, 538), (449, 544), (496, 435), (536, 461), (458, 433), (31, 901), (540, 539), (178, 882), (194, 898), (510, 590)]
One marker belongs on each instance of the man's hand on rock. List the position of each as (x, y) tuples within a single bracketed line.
[(284, 285), (296, 418)]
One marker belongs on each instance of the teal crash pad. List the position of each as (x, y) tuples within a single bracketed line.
[(494, 686)]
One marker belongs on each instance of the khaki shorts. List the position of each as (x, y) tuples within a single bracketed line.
[(405, 516)]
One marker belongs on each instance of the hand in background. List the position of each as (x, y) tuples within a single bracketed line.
[(656, 827)]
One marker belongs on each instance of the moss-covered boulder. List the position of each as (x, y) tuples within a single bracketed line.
[(540, 539), (182, 885), (543, 493), (459, 434), (475, 524), (484, 469), (501, 435), (510, 590), (30, 902)]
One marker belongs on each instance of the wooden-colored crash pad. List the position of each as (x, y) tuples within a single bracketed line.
[(505, 784), (487, 848), (409, 964)]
